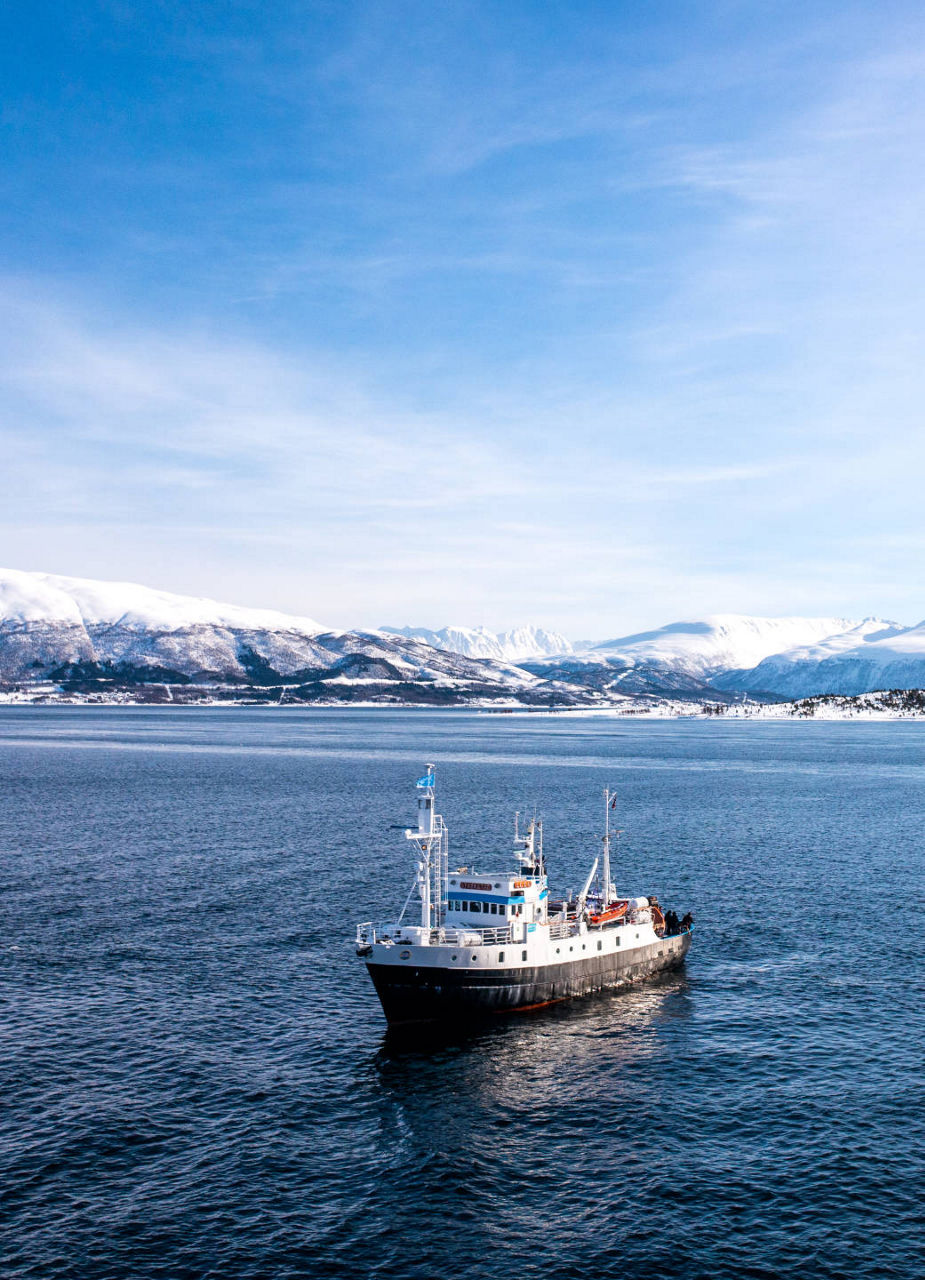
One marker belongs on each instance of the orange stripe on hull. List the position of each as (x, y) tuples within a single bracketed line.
[(525, 1008)]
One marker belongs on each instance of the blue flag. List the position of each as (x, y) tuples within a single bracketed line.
[(426, 781)]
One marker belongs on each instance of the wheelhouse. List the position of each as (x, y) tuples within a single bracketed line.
[(489, 900)]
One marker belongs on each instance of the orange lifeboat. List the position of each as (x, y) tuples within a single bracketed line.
[(616, 911)]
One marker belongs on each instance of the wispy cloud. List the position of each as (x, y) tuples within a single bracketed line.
[(126, 429), (477, 313)]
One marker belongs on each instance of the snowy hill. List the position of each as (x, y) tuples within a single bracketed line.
[(32, 597), (717, 643), (477, 642), (47, 620), (873, 655), (51, 625)]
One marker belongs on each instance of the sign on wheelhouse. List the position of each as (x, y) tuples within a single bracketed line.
[(494, 941)]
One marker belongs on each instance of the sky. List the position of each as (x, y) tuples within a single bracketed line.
[(588, 315)]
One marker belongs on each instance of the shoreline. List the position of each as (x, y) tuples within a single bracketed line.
[(825, 708)]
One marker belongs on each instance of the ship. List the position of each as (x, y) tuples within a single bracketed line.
[(491, 942)]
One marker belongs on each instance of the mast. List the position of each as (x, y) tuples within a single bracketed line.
[(431, 843), (605, 872), (528, 847)]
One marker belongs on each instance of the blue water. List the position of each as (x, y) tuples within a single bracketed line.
[(195, 1078)]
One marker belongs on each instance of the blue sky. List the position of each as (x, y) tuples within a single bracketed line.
[(592, 315)]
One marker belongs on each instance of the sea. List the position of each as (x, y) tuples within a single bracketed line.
[(196, 1079)]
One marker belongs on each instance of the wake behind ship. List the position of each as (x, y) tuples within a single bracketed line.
[(495, 941)]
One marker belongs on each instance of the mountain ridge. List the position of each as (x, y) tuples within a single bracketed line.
[(720, 642), (875, 655), (97, 636), (84, 632), (478, 642)]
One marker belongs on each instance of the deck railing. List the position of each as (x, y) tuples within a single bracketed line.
[(464, 936), (458, 935)]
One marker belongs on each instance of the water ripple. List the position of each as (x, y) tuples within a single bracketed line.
[(196, 1080)]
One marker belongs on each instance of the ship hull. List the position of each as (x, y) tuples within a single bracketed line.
[(412, 994)]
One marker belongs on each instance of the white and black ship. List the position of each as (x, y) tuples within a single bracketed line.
[(493, 941)]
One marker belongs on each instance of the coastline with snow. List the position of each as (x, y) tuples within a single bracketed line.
[(896, 704)]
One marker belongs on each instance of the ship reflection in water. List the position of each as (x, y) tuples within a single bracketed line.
[(517, 1058), (501, 1130)]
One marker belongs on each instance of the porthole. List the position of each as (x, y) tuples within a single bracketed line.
[(452, 957), (475, 957), (599, 944), (558, 949), (404, 955)]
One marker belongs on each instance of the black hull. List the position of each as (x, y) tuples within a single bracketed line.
[(410, 994)]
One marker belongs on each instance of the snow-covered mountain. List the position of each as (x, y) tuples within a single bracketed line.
[(49, 623), (716, 644), (875, 654), (47, 620), (477, 642), (80, 630), (781, 657)]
